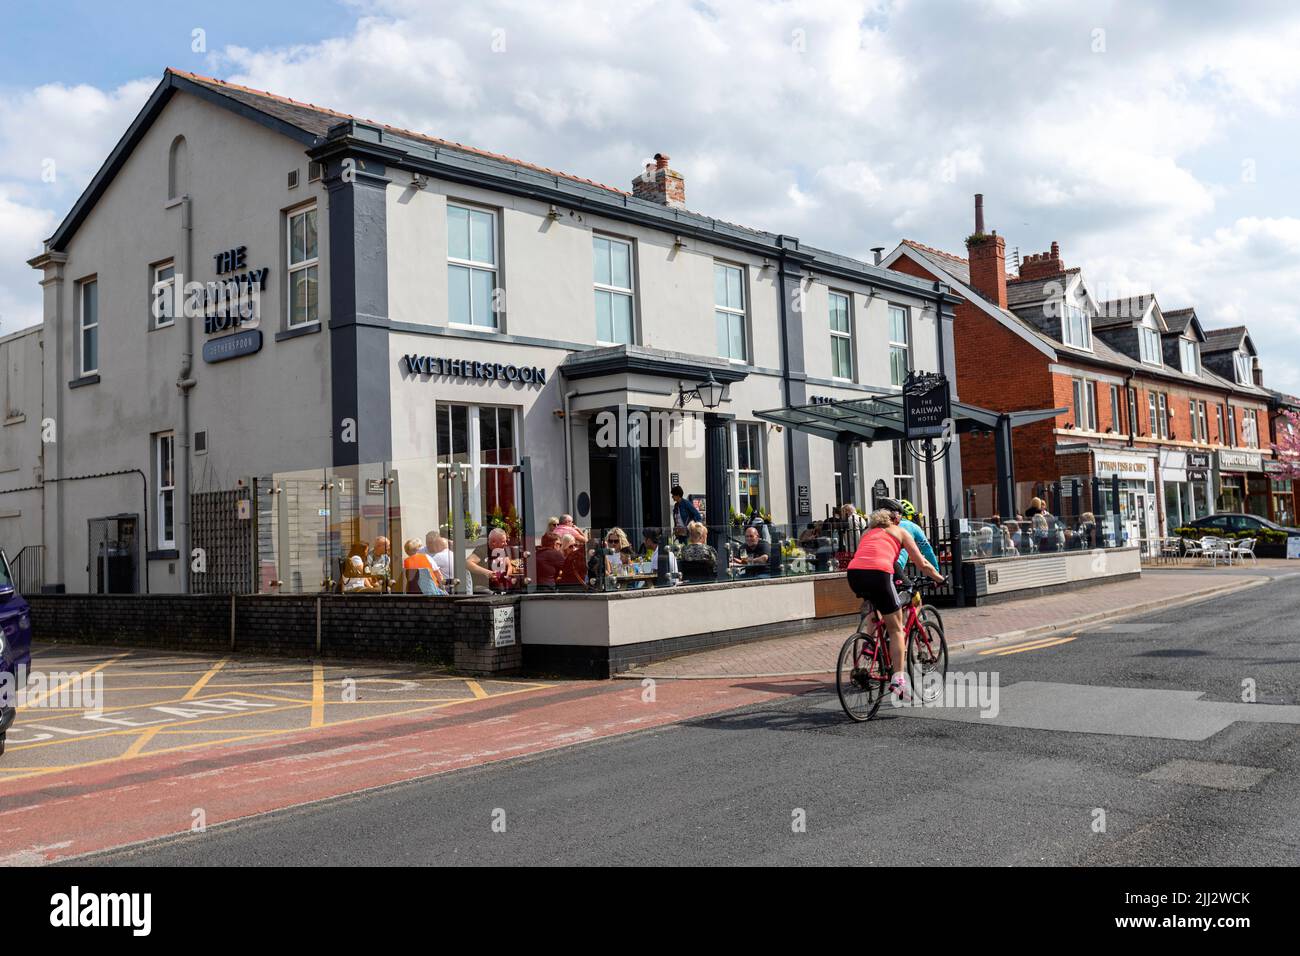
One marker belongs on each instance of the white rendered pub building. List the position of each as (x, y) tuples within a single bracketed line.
[(420, 305)]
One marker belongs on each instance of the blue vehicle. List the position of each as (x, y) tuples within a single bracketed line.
[(15, 646)]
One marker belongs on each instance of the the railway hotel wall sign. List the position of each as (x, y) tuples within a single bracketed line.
[(231, 301), (431, 365), (926, 404)]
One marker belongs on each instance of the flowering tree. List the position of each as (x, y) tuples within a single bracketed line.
[(1287, 447)]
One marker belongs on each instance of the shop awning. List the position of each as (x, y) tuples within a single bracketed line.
[(880, 418)]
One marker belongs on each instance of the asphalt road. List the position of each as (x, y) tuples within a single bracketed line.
[(1087, 734)]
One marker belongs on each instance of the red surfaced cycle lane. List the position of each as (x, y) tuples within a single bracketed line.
[(68, 812)]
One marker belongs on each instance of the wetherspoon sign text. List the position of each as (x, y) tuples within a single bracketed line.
[(465, 368)]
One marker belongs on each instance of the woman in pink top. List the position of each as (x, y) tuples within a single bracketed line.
[(871, 576)]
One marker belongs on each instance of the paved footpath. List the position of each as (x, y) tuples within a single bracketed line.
[(816, 653)]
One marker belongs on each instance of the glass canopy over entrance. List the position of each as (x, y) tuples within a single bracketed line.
[(880, 418)]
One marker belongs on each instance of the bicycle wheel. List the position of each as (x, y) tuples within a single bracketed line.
[(927, 661), (860, 692), (929, 613)]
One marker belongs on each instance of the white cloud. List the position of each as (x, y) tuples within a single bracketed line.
[(52, 139), (845, 123)]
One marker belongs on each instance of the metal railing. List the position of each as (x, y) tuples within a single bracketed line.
[(28, 567)]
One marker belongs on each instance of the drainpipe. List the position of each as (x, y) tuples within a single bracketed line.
[(1132, 412), (568, 457), (185, 382)]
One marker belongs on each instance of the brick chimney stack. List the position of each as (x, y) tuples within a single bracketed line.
[(1041, 265), (988, 260), (660, 184)]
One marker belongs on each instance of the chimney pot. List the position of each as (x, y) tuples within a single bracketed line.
[(988, 260), (878, 252), (660, 184)]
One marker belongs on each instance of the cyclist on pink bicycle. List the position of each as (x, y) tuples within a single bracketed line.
[(871, 576)]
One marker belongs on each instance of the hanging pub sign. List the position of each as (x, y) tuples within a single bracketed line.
[(926, 405)]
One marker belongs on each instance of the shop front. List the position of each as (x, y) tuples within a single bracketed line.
[(1133, 475), (1243, 488), (1185, 477), (1281, 498)]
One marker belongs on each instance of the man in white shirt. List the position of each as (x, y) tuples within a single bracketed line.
[(437, 548)]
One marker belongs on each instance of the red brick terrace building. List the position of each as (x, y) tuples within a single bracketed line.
[(1176, 411)]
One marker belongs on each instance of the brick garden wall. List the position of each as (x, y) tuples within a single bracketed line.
[(451, 631)]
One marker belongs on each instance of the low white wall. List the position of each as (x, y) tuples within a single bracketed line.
[(1044, 570), (616, 619)]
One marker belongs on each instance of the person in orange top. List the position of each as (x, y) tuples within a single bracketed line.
[(871, 576), (416, 559)]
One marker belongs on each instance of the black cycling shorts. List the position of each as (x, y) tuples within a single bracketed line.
[(876, 587)]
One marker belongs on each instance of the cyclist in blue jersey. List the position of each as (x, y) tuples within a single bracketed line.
[(904, 513)]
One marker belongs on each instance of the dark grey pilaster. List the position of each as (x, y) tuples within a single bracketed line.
[(844, 461), (715, 480), (793, 371), (358, 270), (628, 510)]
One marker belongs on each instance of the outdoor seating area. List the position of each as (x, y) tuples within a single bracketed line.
[(1208, 550)]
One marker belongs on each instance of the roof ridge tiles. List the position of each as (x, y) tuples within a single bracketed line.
[(453, 144)]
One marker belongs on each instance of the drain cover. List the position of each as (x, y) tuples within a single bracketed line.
[(1198, 773)]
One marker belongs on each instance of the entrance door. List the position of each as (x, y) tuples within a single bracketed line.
[(652, 503), (113, 561), (602, 465), (1134, 510)]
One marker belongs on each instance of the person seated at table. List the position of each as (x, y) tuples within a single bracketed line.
[(379, 563), (853, 522), (1086, 535), (619, 553), (550, 562), (488, 564), (439, 549), (573, 572), (756, 555), (697, 548), (808, 537), (651, 543), (355, 579), (1011, 536), (416, 561), (566, 526)]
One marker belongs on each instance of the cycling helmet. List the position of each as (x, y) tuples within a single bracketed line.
[(908, 509), (892, 504)]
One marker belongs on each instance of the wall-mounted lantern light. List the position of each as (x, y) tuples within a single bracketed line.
[(709, 393)]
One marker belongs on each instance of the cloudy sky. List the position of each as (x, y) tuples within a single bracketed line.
[(1157, 142)]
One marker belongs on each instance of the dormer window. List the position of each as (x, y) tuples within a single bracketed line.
[(1149, 346), (1190, 356), (1241, 361), (1076, 328)]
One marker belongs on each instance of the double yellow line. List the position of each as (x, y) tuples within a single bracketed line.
[(1037, 645)]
